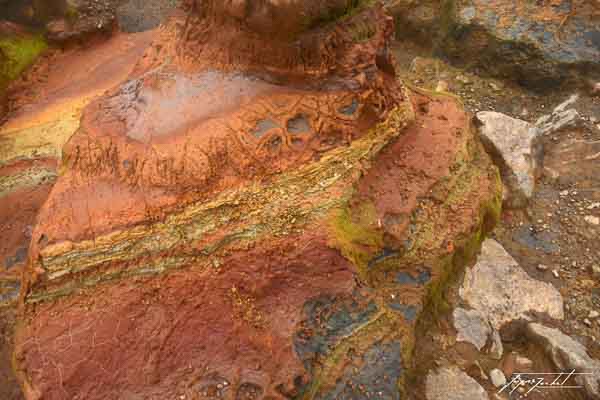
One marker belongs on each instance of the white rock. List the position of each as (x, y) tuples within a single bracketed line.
[(568, 354), (497, 377), (502, 291), (515, 147), (497, 348), (561, 117), (450, 383), (594, 314), (562, 107)]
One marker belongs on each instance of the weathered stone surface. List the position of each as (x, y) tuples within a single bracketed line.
[(472, 327), (515, 146), (450, 383), (272, 219), (500, 289), (33, 138), (568, 354), (537, 45)]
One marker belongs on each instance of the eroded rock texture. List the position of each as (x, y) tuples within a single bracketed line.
[(254, 214), (540, 44)]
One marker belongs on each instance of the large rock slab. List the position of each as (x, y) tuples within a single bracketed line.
[(270, 238), (537, 45), (450, 383), (500, 289), (568, 355), (515, 146)]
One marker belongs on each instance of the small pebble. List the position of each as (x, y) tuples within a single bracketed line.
[(593, 220), (497, 377), (442, 86)]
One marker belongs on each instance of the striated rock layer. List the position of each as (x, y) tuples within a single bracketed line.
[(252, 216)]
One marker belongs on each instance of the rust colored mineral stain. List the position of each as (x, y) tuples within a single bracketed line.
[(228, 105), (64, 81), (160, 336)]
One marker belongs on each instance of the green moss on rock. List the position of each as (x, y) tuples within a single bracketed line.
[(356, 235), (17, 54)]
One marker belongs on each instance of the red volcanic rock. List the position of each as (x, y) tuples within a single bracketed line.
[(218, 234)]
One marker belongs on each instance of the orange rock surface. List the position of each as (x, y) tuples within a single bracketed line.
[(251, 216)]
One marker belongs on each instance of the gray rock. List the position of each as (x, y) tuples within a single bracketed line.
[(501, 290), (515, 147), (450, 383), (472, 327), (568, 354), (529, 42), (497, 377)]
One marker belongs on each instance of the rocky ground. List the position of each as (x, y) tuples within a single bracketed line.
[(531, 302), (554, 238), (141, 15)]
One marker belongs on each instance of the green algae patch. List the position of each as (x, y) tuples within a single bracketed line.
[(356, 236), (18, 54), (465, 253)]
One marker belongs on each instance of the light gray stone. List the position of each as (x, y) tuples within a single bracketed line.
[(561, 117), (450, 383), (472, 327), (502, 291), (515, 147), (497, 377), (568, 354)]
